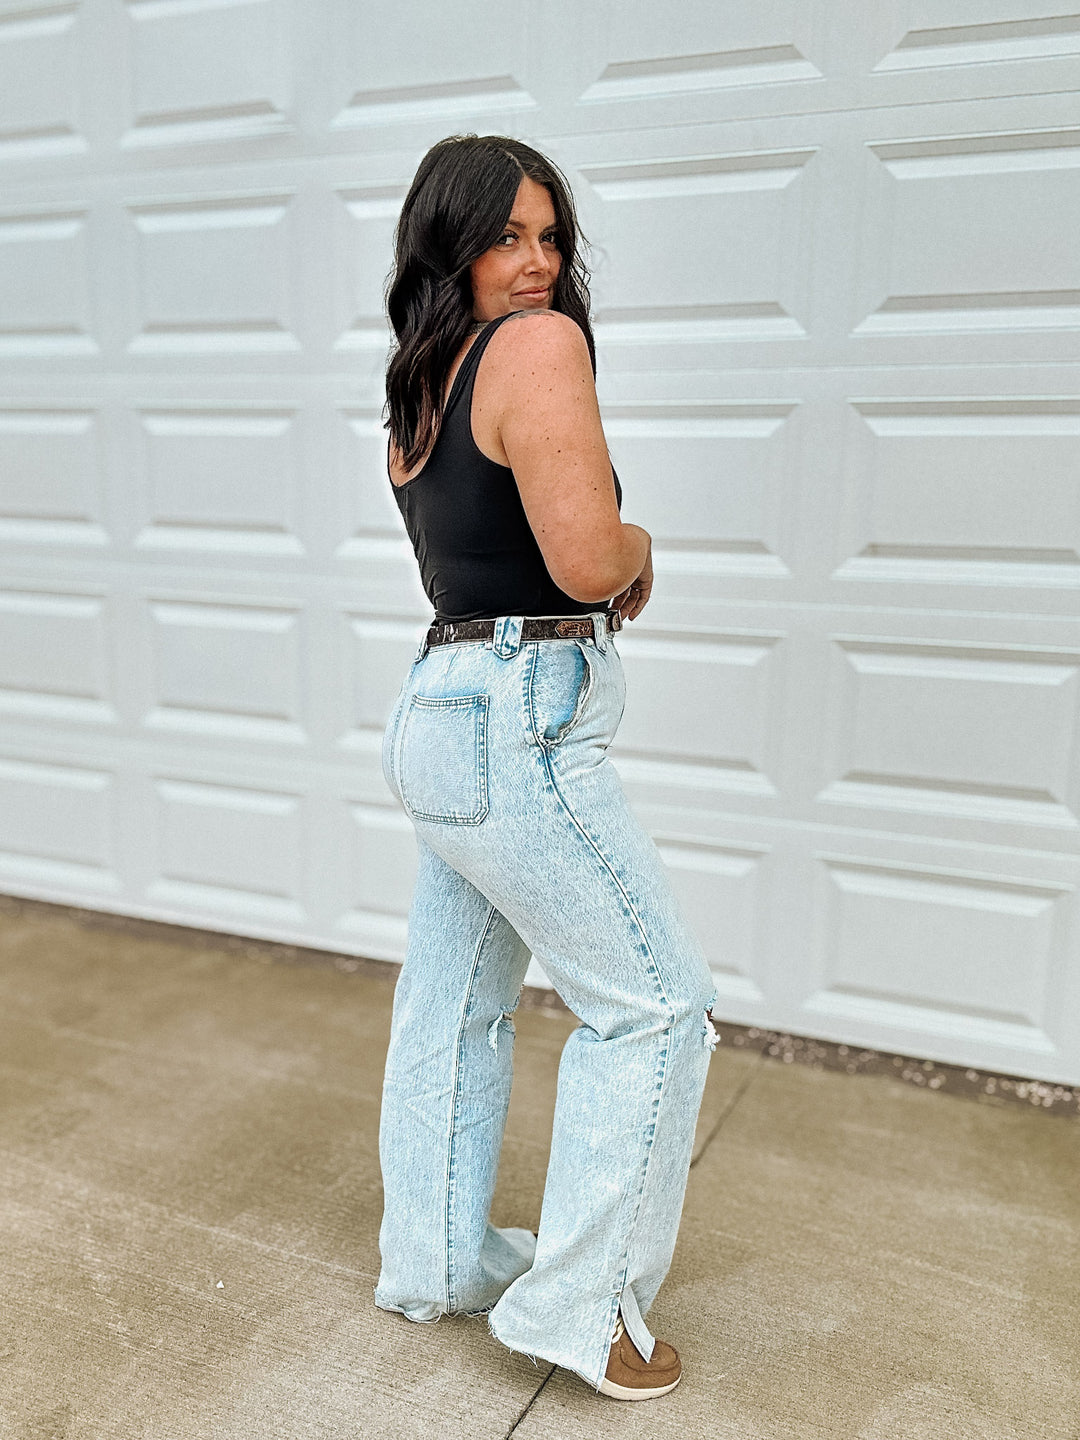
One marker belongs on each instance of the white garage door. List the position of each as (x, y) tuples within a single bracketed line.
[(837, 292)]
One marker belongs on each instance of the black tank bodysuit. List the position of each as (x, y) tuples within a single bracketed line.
[(477, 554)]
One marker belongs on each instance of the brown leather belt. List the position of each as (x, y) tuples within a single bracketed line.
[(534, 627)]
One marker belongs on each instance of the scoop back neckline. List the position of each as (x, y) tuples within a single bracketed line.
[(446, 410)]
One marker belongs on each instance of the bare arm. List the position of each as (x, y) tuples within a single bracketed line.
[(549, 423)]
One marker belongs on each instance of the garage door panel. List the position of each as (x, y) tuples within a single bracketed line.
[(60, 825), (723, 686), (377, 651), (709, 241), (975, 234), (40, 64), (217, 479), (952, 49), (56, 657), (958, 730), (967, 492), (372, 512), (711, 483), (51, 476), (980, 32), (435, 77), (715, 46), (965, 956), (226, 671), (215, 276), (237, 849), (209, 72), (723, 893), (46, 293), (363, 235), (379, 851)]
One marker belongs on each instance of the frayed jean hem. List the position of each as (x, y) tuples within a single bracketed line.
[(429, 1314)]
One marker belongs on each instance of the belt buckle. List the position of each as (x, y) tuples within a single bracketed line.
[(615, 619), (564, 628)]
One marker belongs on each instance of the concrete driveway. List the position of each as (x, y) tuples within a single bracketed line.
[(190, 1198)]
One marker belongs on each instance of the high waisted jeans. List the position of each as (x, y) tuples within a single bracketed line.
[(497, 750)]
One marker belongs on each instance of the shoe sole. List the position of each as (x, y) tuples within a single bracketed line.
[(627, 1392)]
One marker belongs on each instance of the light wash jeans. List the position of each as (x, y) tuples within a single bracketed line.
[(527, 844)]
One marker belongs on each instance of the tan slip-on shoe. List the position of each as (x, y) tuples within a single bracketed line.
[(629, 1376)]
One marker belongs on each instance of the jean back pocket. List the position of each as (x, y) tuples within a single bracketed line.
[(443, 765)]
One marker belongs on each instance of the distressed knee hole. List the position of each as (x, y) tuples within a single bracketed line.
[(493, 1028), (710, 1035)]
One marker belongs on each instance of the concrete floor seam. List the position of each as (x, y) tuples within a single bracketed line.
[(532, 1401), (739, 1093)]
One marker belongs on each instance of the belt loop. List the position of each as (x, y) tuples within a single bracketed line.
[(506, 641), (422, 648), (599, 628)]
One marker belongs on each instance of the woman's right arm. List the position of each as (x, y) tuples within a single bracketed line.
[(548, 420)]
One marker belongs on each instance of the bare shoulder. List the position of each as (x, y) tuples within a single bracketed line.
[(540, 337), (535, 374)]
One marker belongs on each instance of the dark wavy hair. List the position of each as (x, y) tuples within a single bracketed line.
[(457, 207)]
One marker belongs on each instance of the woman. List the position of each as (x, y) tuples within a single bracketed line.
[(496, 748)]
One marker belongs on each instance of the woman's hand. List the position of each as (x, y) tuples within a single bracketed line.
[(631, 601)]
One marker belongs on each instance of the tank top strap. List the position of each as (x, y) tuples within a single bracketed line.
[(465, 379)]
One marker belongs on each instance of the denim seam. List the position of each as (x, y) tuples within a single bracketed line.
[(391, 726), (655, 969), (662, 1060), (661, 1077), (395, 747), (528, 682), (449, 702), (455, 1106)]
